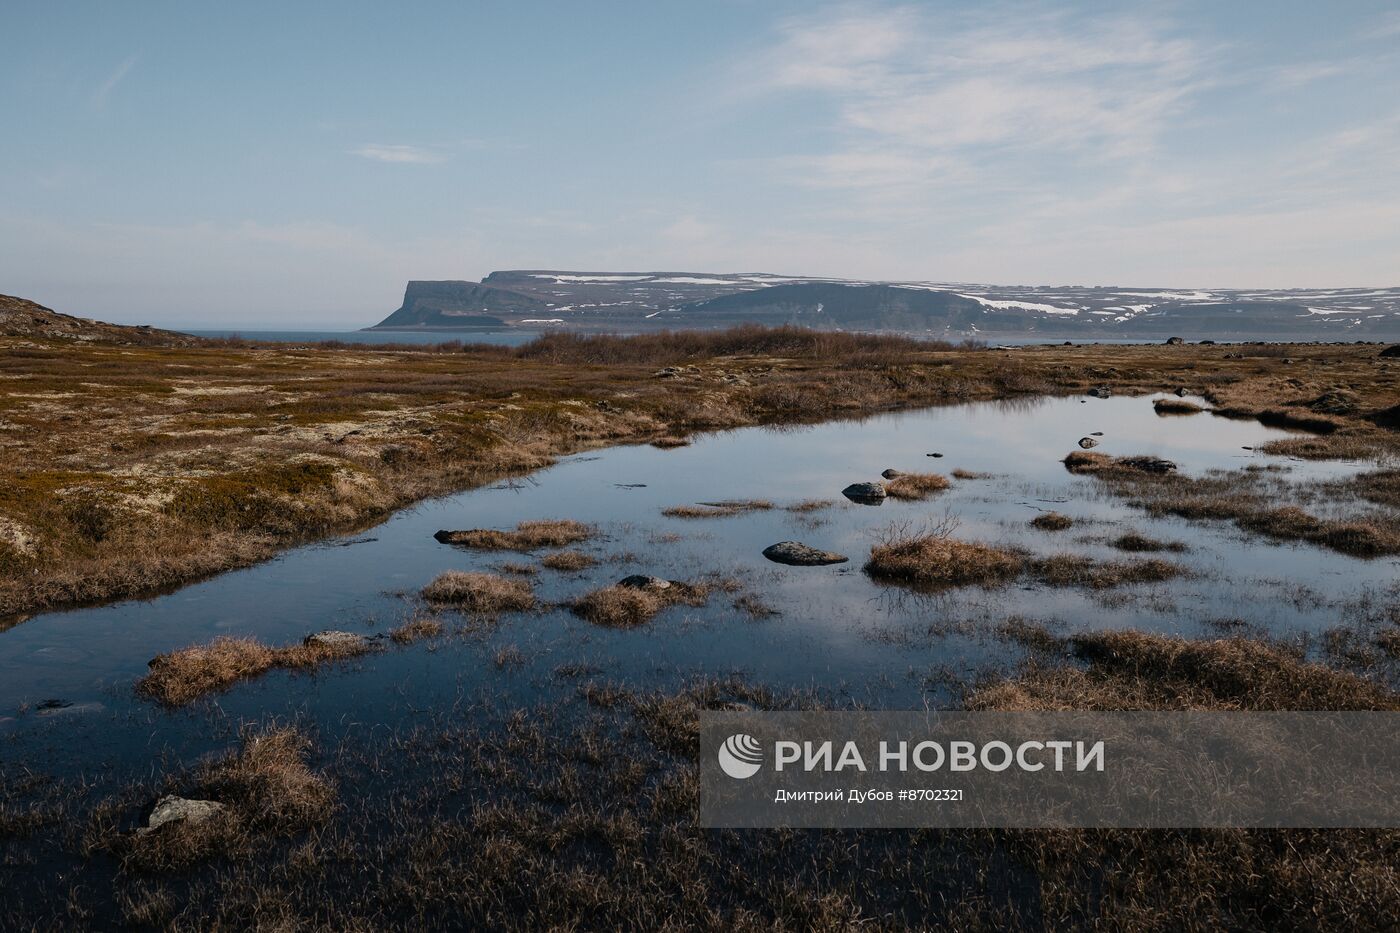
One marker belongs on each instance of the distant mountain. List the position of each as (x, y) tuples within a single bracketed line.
[(643, 300), (20, 317)]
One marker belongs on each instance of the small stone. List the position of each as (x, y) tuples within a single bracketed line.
[(935, 455), (1100, 392), (892, 474), (1174, 341), (172, 809), (1088, 442), (337, 641)]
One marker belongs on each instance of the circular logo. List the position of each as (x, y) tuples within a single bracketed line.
[(740, 756)]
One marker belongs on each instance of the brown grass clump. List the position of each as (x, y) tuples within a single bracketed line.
[(720, 509), (630, 606), (1130, 670), (177, 677), (1052, 521), (480, 592), (1176, 406), (416, 630), (517, 569), (670, 442), (269, 783), (960, 473), (810, 505), (936, 561), (527, 536), (568, 561), (1137, 543), (1071, 570), (619, 606), (911, 486)]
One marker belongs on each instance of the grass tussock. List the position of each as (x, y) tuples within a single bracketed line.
[(1176, 406), (416, 630), (810, 505), (267, 790), (1072, 570), (620, 606), (914, 486), (960, 473), (178, 677), (1052, 521), (937, 561), (1134, 543), (1130, 670), (720, 509), (480, 592), (569, 561), (527, 536)]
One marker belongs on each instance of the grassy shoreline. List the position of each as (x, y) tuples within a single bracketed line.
[(130, 470)]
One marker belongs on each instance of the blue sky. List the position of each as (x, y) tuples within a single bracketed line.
[(293, 164)]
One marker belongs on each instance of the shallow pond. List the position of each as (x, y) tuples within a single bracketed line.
[(834, 629)]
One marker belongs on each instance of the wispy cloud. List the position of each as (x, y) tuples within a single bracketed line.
[(104, 90), (414, 155), (916, 93)]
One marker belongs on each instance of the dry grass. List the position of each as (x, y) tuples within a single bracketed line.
[(164, 464), (178, 677), (1072, 570), (416, 630), (810, 505), (1138, 543), (914, 486), (936, 561), (1052, 521), (1176, 406), (720, 509), (629, 606), (527, 536), (480, 592), (670, 442), (960, 473), (267, 789), (1129, 670), (570, 561)]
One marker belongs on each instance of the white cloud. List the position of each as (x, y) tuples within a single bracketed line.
[(105, 89), (415, 155)]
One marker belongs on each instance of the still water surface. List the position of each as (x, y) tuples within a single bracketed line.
[(836, 630)]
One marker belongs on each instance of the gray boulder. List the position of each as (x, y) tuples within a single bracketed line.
[(172, 809), (865, 493), (1088, 442), (1100, 392), (892, 474), (797, 554)]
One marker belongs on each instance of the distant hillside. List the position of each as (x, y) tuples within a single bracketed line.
[(455, 305), (850, 307), (20, 317), (631, 301)]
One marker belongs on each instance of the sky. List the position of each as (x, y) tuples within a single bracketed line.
[(292, 165)]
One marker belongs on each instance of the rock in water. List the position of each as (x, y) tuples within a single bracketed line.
[(1087, 442), (892, 474), (797, 554), (640, 581), (1100, 392), (347, 642), (865, 493), (172, 809)]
